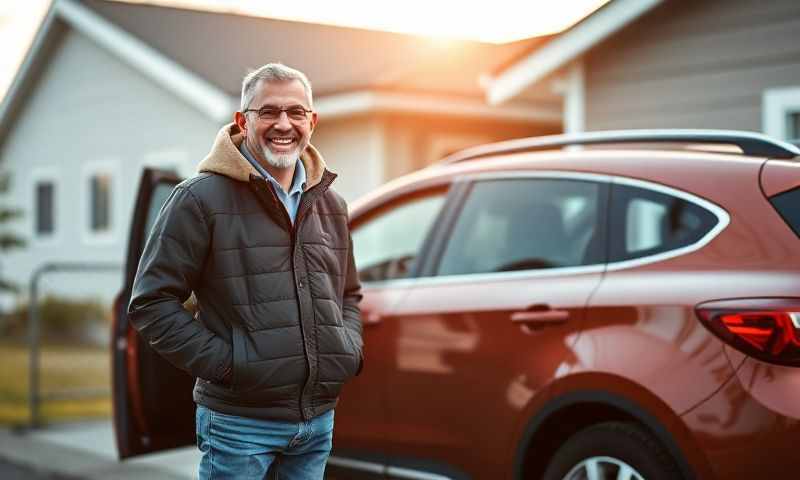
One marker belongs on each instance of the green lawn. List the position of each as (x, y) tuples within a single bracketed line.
[(61, 367)]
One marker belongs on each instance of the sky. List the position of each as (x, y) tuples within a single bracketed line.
[(495, 21)]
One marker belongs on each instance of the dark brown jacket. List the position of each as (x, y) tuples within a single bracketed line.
[(278, 305)]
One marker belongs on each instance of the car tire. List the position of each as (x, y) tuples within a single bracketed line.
[(611, 448)]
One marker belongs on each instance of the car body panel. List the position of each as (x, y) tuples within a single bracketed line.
[(641, 349), (746, 433), (362, 420), (457, 338), (777, 176)]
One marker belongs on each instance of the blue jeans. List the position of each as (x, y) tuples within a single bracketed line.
[(244, 448)]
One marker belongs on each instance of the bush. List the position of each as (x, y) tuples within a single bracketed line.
[(60, 319)]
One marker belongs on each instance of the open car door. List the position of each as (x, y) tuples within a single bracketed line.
[(152, 400)]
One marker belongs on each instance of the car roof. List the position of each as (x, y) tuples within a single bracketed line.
[(748, 143), (698, 172)]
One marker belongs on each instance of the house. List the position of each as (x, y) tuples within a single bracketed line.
[(730, 64), (109, 88)]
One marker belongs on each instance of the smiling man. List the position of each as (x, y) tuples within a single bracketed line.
[(263, 242)]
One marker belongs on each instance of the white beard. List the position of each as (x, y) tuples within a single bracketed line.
[(281, 160)]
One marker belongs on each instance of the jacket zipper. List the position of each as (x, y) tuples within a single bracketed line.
[(292, 233), (301, 210)]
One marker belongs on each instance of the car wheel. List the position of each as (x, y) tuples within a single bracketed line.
[(612, 450)]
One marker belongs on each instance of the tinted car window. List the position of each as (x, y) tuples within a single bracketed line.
[(525, 224), (386, 245), (788, 205), (645, 222), (159, 196)]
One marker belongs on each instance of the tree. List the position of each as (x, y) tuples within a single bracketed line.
[(8, 240)]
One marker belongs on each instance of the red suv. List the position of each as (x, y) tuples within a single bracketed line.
[(626, 307)]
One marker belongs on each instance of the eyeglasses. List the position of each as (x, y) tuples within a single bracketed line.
[(296, 113)]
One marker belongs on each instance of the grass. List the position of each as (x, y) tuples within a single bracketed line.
[(61, 368)]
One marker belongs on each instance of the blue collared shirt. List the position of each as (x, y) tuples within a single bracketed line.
[(291, 200)]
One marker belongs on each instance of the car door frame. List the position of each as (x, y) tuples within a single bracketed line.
[(133, 435)]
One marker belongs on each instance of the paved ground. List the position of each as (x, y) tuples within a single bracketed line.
[(87, 451), (10, 471)]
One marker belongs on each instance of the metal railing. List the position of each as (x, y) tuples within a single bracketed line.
[(35, 396)]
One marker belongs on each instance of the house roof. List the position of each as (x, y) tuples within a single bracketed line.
[(223, 47), (547, 57), (202, 56)]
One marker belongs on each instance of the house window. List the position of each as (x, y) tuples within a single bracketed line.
[(794, 125), (100, 202), (781, 113), (45, 208), (100, 193), (42, 216)]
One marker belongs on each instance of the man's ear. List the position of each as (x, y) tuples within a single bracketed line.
[(241, 121), (314, 120)]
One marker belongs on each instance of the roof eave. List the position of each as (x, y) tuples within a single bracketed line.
[(561, 50), (366, 102), (13, 95), (216, 104), (192, 88)]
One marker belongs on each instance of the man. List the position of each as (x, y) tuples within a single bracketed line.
[(264, 244)]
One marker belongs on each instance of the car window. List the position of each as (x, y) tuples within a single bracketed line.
[(645, 222), (386, 245), (160, 193), (788, 206), (525, 224)]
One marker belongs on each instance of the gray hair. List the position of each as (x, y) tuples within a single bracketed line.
[(272, 72)]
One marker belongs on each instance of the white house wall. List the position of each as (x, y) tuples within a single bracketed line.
[(353, 149), (89, 110)]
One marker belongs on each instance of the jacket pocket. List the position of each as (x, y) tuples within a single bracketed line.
[(239, 356), (358, 357)]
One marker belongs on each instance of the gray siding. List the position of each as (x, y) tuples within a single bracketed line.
[(691, 64), (88, 109)]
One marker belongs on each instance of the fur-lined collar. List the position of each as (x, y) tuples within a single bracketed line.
[(225, 158)]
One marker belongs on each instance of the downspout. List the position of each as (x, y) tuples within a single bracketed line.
[(575, 98)]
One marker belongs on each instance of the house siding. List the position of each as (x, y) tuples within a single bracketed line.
[(693, 64), (353, 149), (369, 150), (417, 141), (88, 109)]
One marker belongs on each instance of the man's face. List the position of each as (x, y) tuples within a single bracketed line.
[(279, 141)]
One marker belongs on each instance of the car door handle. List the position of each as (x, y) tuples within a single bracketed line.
[(541, 318)]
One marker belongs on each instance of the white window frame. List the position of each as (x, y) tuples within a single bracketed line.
[(171, 159), (45, 174), (110, 167), (776, 105)]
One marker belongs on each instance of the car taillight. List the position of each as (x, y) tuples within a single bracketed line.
[(767, 329)]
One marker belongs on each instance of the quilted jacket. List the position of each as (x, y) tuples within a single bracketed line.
[(278, 329)]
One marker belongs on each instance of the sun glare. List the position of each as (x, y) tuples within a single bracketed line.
[(443, 21), (498, 21)]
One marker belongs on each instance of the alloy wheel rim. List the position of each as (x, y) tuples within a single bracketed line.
[(603, 468)]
